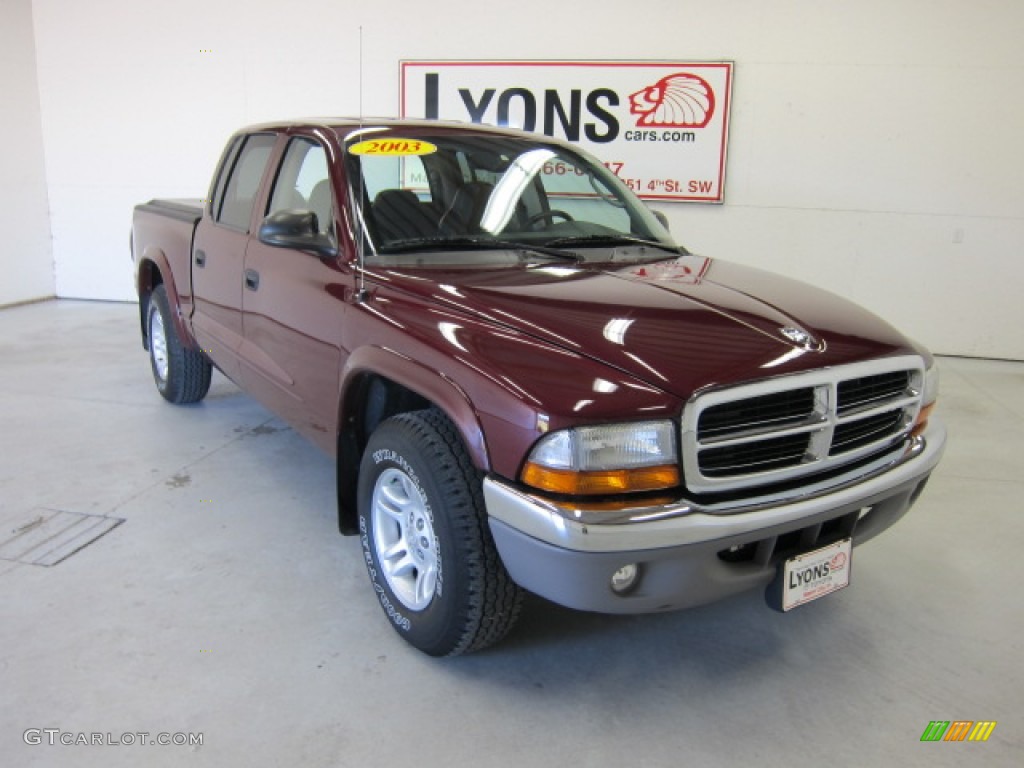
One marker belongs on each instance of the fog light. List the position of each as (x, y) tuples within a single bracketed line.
[(625, 578)]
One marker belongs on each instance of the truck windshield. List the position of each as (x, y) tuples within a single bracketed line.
[(459, 191)]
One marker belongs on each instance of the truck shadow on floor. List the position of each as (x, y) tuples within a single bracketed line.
[(730, 644)]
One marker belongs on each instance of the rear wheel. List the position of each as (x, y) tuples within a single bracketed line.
[(182, 375), (428, 550)]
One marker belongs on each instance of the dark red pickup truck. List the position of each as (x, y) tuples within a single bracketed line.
[(526, 382)]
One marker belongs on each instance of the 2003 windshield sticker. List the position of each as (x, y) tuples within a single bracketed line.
[(392, 147)]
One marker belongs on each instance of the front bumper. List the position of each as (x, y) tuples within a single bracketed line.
[(690, 554)]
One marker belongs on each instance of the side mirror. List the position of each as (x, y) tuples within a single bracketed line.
[(661, 217), (299, 230)]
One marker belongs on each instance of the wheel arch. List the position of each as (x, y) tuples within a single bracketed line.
[(153, 270), (377, 384)]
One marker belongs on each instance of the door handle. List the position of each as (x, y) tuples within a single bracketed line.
[(252, 279), (200, 258)]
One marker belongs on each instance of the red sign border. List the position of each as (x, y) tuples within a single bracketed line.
[(727, 65)]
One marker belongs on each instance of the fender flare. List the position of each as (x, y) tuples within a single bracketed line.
[(158, 259), (404, 371), (427, 382)]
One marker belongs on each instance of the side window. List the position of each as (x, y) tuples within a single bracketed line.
[(303, 183), (236, 207), (223, 169)]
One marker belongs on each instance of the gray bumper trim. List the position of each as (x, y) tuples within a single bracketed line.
[(676, 577), (684, 523), (571, 563)]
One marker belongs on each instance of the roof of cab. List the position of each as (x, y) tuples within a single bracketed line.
[(344, 126)]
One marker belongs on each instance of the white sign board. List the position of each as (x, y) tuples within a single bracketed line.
[(662, 127)]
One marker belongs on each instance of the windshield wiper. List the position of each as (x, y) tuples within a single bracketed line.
[(411, 245), (585, 240)]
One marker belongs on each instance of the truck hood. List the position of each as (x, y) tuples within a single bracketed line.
[(680, 325)]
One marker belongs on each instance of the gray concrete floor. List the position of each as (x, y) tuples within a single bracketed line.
[(227, 605)]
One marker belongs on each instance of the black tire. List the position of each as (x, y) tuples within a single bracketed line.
[(473, 602), (182, 375)]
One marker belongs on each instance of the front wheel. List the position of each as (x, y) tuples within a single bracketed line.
[(428, 550), (182, 375)]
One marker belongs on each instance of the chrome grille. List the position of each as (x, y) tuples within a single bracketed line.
[(784, 428), (854, 434), (868, 390), (757, 412), (759, 456)]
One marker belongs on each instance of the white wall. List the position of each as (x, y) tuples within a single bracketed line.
[(874, 151), (26, 261)]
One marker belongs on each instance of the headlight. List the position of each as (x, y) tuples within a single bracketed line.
[(616, 458), (929, 394)]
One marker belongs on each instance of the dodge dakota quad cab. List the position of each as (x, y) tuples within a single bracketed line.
[(526, 382)]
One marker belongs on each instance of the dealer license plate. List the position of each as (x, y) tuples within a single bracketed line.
[(816, 574)]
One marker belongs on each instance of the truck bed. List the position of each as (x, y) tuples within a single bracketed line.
[(184, 209), (162, 234)]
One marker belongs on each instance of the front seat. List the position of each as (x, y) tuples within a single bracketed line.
[(466, 208), (320, 204), (399, 215)]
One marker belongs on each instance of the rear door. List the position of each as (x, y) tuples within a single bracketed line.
[(295, 303), (218, 257)]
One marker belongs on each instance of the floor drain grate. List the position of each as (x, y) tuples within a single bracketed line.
[(47, 536)]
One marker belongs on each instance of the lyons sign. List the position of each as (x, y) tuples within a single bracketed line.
[(662, 127)]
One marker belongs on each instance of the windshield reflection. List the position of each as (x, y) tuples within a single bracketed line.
[(474, 197), (510, 188)]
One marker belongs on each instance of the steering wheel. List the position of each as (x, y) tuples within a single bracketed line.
[(551, 214)]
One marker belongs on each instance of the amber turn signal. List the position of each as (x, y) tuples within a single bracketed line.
[(922, 420), (598, 482)]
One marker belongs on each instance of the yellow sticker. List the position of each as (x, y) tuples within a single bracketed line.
[(392, 147)]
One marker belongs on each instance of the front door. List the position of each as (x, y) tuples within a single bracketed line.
[(294, 305)]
